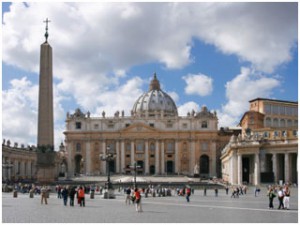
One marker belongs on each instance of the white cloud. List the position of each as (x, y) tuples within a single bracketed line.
[(95, 44), (188, 107), (244, 87), (19, 112), (198, 84)]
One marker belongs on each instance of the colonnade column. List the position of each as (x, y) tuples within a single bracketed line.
[(176, 157), (286, 167), (132, 153), (118, 156), (122, 156), (213, 148), (157, 171), (192, 157), (239, 169), (256, 170), (69, 149), (233, 169), (103, 163), (274, 165), (88, 158), (162, 157), (146, 158)]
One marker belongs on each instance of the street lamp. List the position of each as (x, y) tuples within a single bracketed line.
[(135, 167), (108, 157)]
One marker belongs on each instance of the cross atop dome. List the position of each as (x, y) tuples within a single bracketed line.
[(154, 84), (46, 34)]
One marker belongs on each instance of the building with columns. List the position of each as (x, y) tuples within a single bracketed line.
[(267, 150), (153, 136)]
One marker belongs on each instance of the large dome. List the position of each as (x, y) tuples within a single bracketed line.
[(154, 102)]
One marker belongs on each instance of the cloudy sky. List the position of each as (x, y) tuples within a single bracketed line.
[(216, 54)]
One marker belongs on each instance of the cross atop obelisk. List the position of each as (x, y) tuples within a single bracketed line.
[(46, 34)]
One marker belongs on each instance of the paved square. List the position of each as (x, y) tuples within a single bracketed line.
[(175, 209)]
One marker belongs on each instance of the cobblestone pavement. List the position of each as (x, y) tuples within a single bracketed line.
[(174, 209)]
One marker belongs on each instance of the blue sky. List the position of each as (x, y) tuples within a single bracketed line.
[(105, 55)]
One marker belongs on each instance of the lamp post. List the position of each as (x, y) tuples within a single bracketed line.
[(135, 167), (107, 158)]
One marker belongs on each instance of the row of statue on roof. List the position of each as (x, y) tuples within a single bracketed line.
[(16, 145)]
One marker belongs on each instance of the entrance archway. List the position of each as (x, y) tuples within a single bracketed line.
[(204, 166), (77, 164), (152, 170), (170, 167)]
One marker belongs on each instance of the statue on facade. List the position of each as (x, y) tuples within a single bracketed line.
[(103, 114), (117, 113), (123, 113), (196, 169), (8, 143), (3, 143), (88, 114), (193, 113), (16, 145), (68, 115)]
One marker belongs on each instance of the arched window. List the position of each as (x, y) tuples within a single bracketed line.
[(204, 164), (282, 123), (268, 122), (204, 124), (275, 122), (78, 147)]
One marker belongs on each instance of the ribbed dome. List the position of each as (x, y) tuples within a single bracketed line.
[(155, 101)]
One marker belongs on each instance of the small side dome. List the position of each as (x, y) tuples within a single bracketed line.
[(154, 102)]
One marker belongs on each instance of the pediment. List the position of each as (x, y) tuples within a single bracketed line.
[(139, 127)]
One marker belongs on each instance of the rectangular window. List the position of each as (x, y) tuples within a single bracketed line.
[(127, 124), (140, 147), (96, 126), (152, 156), (151, 124), (78, 125), (128, 156), (184, 125), (295, 133)]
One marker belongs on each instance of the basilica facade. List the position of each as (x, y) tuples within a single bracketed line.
[(154, 137)]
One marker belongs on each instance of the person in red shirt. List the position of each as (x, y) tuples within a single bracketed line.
[(188, 194), (81, 196), (138, 203)]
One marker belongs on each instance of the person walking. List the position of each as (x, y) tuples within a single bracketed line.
[(280, 198), (216, 192), (44, 195), (138, 206), (286, 198), (188, 194), (128, 197), (65, 195), (72, 195), (81, 196), (271, 196)]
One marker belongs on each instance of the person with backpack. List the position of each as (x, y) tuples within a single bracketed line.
[(188, 194), (271, 196)]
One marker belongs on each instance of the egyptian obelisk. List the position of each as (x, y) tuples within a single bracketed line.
[(45, 142), (45, 117)]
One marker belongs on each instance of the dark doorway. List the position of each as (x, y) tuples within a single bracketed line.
[(152, 170), (170, 167), (111, 165), (245, 163), (140, 164), (78, 164), (204, 166)]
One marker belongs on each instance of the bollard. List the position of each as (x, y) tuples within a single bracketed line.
[(31, 194), (15, 194), (92, 195)]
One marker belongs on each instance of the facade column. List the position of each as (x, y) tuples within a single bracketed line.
[(213, 147), (118, 156), (275, 171), (88, 158), (192, 157), (176, 157), (157, 170), (103, 163), (122, 156), (132, 153), (239, 169), (162, 157), (286, 167), (233, 169), (146, 158), (69, 148), (256, 170)]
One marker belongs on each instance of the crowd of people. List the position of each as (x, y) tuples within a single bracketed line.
[(134, 195)]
